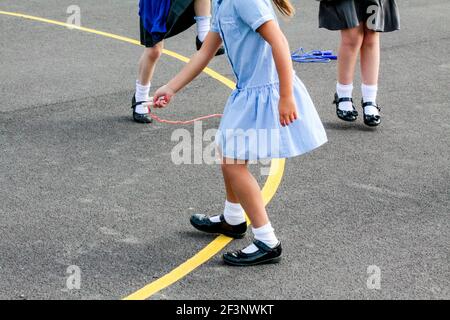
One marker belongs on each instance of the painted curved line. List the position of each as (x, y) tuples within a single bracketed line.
[(268, 191)]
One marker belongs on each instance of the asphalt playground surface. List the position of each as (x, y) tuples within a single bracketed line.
[(82, 184)]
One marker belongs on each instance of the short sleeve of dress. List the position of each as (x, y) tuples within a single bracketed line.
[(254, 12)]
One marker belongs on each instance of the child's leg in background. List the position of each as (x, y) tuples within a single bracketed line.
[(242, 186), (370, 57), (351, 42), (370, 67), (203, 17), (147, 65)]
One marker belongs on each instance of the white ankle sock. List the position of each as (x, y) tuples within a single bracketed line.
[(203, 27), (369, 93), (233, 214), (264, 234), (345, 91), (142, 94)]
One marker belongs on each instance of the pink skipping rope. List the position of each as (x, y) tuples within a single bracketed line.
[(149, 105)]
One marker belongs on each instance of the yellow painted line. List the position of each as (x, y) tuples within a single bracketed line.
[(172, 54), (268, 191)]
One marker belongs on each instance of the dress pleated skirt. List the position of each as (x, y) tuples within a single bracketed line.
[(250, 128)]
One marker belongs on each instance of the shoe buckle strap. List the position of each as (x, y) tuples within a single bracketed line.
[(222, 218), (147, 104), (345, 99), (262, 246), (370, 104)]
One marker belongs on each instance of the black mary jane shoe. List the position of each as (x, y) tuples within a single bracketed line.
[(370, 119), (264, 255), (345, 115), (199, 45), (139, 117), (203, 223)]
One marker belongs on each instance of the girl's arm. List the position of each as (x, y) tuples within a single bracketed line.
[(271, 32), (195, 66)]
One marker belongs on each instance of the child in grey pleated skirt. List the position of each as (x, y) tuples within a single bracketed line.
[(360, 23)]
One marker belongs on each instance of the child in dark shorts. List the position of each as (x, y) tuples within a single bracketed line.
[(159, 20)]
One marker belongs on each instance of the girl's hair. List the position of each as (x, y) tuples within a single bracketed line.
[(285, 7)]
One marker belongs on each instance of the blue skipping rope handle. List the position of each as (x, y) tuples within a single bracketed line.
[(314, 56)]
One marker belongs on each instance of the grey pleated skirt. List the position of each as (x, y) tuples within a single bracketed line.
[(379, 15)]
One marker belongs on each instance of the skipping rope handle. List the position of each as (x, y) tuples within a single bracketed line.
[(314, 56)]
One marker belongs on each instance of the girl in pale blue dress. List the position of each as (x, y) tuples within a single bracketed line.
[(269, 115)]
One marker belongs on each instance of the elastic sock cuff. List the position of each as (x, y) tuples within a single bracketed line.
[(234, 206), (369, 86), (345, 86), (200, 18), (139, 84), (264, 229)]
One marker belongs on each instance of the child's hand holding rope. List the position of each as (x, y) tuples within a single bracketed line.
[(163, 96)]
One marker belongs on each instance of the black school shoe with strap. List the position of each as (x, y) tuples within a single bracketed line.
[(349, 116), (203, 223), (139, 117), (264, 255), (199, 45), (371, 120)]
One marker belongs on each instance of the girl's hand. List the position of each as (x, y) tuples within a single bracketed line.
[(288, 111), (163, 96)]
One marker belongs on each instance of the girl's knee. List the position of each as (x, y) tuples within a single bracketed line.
[(352, 39), (153, 54), (371, 38)]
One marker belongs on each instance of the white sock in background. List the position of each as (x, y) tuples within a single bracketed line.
[(265, 234), (233, 213), (142, 94), (345, 91), (369, 94), (203, 27)]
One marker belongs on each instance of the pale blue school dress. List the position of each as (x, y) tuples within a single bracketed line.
[(250, 128)]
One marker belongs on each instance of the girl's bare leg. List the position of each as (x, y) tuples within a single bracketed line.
[(242, 186), (231, 196), (202, 8), (147, 63), (246, 189), (370, 70), (351, 42), (370, 57)]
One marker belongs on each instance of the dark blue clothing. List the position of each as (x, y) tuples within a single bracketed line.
[(154, 15)]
